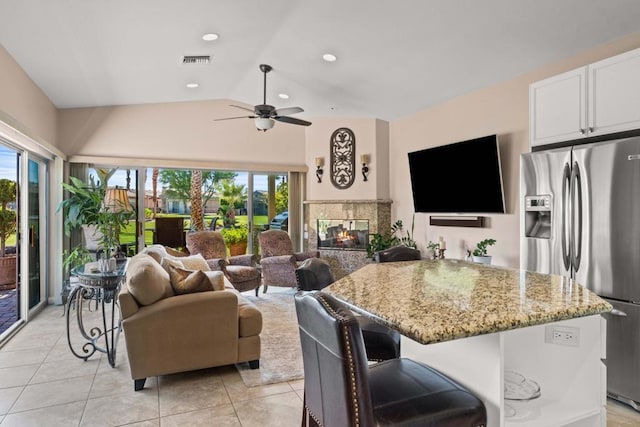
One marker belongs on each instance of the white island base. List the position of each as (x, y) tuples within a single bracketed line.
[(572, 378)]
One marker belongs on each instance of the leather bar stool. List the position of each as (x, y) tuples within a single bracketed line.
[(381, 342), (341, 389), (398, 253)]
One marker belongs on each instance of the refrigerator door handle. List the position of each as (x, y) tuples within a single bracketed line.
[(576, 199), (618, 313), (566, 193)]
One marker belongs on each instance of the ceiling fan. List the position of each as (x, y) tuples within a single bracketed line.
[(264, 114)]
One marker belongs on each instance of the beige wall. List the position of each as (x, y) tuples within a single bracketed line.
[(501, 109), (22, 104), (186, 131), (372, 138), (178, 131)]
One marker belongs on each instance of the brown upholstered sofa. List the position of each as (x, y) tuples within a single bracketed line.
[(167, 333)]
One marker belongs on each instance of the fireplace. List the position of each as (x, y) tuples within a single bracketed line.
[(357, 219), (343, 234)]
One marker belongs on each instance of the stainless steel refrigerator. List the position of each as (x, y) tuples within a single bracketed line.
[(580, 217)]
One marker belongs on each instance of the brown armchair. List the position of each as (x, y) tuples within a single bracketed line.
[(241, 270), (278, 260)]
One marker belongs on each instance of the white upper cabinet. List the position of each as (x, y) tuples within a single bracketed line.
[(601, 98), (558, 108), (614, 94)]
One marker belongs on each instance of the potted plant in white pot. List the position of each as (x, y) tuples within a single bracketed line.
[(480, 252)]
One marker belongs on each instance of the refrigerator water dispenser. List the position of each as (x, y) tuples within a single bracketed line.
[(537, 217)]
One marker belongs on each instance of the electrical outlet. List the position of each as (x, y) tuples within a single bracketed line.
[(563, 335)]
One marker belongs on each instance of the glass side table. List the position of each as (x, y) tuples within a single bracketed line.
[(103, 288)]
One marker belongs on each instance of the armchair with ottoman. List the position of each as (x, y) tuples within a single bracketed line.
[(180, 319), (278, 260)]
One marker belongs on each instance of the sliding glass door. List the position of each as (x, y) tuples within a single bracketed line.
[(35, 232), (23, 236), (269, 205)]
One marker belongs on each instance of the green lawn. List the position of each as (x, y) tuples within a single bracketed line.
[(128, 233)]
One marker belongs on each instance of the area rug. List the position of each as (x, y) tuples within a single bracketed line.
[(281, 354)]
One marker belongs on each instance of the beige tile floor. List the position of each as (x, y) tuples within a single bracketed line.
[(43, 384)]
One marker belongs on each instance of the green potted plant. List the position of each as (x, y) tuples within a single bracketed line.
[(236, 239), (480, 252), (7, 228), (433, 248), (395, 237), (85, 208)]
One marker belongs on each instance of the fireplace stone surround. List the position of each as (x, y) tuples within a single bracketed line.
[(343, 262)]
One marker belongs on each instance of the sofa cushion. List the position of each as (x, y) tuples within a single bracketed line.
[(216, 278), (147, 281), (157, 252), (186, 281), (249, 318)]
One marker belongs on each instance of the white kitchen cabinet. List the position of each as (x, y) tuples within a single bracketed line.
[(558, 108), (599, 99), (614, 94)]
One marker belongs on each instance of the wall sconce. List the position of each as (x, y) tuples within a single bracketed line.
[(364, 159), (319, 165)]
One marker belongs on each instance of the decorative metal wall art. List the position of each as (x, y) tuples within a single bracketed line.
[(343, 162)]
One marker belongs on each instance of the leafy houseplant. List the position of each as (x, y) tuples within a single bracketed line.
[(480, 252), (433, 248), (85, 206), (236, 239), (381, 242)]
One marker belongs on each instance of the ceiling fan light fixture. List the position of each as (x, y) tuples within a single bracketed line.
[(264, 124), (329, 57), (210, 37)]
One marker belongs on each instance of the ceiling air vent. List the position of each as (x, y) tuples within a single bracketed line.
[(196, 59)]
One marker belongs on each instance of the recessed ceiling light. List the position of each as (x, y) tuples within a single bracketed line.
[(329, 57), (283, 96), (192, 85), (210, 37)]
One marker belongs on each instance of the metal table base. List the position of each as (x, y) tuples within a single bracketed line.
[(103, 288)]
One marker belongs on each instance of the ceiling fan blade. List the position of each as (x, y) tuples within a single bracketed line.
[(288, 111), (292, 120), (242, 108), (238, 117)]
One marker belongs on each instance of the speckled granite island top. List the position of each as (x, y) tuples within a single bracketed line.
[(433, 301)]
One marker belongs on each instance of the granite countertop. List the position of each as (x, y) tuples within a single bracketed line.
[(431, 301)]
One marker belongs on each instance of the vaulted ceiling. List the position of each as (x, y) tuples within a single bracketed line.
[(393, 57)]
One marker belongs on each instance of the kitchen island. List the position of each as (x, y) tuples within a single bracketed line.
[(476, 323)]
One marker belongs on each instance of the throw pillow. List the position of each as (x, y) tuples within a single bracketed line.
[(216, 278), (192, 262), (147, 281), (188, 281), (170, 261), (175, 252)]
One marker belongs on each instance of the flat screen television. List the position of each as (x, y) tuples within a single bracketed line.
[(464, 177)]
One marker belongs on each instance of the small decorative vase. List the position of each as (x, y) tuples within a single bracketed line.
[(107, 265)]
